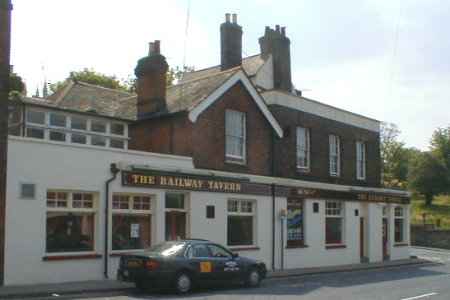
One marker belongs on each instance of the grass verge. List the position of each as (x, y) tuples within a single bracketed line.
[(439, 210)]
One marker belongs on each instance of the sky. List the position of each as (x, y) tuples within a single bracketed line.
[(384, 59)]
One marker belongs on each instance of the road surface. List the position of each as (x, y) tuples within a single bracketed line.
[(403, 283)]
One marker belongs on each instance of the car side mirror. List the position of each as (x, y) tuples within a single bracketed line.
[(235, 255)]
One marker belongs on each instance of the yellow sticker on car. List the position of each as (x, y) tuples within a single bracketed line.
[(205, 267)]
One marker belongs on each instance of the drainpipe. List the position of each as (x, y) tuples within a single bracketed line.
[(272, 150), (114, 171), (283, 216), (273, 226)]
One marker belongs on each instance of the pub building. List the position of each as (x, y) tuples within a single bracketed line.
[(232, 153)]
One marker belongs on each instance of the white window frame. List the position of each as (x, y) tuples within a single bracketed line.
[(303, 149), (68, 130), (236, 158), (70, 209), (331, 213), (185, 209), (132, 212), (241, 213), (361, 160), (334, 152), (401, 216)]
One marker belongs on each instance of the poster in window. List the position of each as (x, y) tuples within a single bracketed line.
[(134, 231), (295, 222)]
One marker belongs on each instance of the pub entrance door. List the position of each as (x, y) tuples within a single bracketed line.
[(385, 239)]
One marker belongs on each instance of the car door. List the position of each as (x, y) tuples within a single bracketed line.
[(226, 267), (200, 260)]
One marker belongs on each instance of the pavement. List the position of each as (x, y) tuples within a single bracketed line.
[(114, 287)]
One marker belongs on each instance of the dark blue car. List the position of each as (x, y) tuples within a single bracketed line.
[(184, 264)]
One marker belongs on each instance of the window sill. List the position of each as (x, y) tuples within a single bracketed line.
[(330, 247), (401, 245), (303, 170), (235, 162), (244, 248), (118, 253), (71, 257), (297, 247)]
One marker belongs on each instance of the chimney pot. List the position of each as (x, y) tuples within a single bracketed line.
[(151, 82), (277, 44), (154, 47), (231, 43), (234, 18), (157, 44), (151, 48)]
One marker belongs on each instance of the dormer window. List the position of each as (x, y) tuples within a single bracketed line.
[(235, 136), (62, 127), (79, 123)]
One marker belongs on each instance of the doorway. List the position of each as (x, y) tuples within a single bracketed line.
[(361, 239), (385, 239)]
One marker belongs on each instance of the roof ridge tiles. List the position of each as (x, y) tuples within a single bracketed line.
[(102, 87), (235, 69), (216, 66)]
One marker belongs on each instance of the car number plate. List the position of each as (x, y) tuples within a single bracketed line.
[(133, 263)]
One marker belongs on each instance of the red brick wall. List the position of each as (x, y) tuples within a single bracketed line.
[(205, 139), (209, 135), (169, 135), (320, 128)]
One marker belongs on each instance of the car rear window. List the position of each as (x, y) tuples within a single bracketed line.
[(167, 248)]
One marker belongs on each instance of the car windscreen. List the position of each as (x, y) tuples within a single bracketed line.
[(167, 248)]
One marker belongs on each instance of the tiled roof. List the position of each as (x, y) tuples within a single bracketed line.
[(87, 98), (250, 64), (186, 95)]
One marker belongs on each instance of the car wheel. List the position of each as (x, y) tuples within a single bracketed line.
[(183, 283), (253, 278)]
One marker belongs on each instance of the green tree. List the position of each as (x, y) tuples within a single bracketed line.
[(394, 156), (175, 74), (427, 175), (16, 84), (440, 145), (128, 84), (92, 77)]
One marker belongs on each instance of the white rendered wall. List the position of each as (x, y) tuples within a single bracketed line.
[(316, 254), (53, 166), (56, 166), (374, 232), (399, 252)]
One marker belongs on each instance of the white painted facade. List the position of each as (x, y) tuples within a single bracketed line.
[(51, 165)]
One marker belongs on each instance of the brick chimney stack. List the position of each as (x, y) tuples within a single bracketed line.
[(151, 74), (276, 42), (5, 50), (230, 43)]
